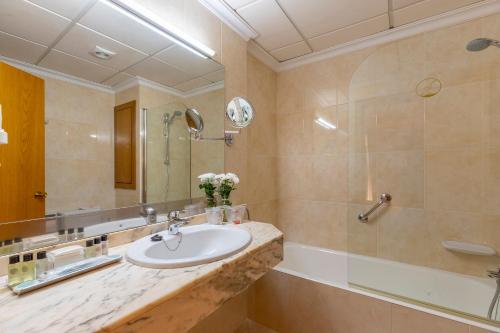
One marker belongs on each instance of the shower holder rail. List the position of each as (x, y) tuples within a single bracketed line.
[(384, 198)]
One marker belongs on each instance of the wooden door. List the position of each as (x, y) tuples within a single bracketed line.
[(125, 146), (22, 160)]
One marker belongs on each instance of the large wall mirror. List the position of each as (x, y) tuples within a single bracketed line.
[(93, 100)]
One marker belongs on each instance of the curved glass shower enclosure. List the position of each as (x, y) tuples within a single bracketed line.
[(424, 120)]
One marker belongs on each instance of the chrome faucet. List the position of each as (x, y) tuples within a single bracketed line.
[(174, 222), (149, 213)]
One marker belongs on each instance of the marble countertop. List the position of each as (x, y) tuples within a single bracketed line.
[(120, 295)]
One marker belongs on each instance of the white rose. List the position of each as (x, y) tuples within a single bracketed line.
[(234, 178), (206, 177)]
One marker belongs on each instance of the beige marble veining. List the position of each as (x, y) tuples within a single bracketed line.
[(128, 298)]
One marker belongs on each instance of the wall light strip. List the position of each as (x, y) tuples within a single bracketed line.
[(147, 18), (323, 123)]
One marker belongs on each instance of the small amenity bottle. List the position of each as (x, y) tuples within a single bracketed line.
[(7, 246), (104, 245), (71, 234), (97, 246), (89, 249), (28, 267), (42, 265), (62, 235), (14, 271), (79, 233), (18, 245)]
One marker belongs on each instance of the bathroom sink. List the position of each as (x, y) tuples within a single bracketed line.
[(194, 245)]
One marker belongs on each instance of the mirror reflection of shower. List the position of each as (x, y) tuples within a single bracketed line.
[(167, 122)]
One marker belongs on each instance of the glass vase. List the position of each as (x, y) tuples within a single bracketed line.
[(211, 202)]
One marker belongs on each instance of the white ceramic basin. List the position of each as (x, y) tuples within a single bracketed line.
[(199, 244)]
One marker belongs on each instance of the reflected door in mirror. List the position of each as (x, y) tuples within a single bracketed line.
[(22, 160), (125, 146)]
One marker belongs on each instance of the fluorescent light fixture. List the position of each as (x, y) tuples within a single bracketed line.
[(4, 138), (149, 19), (323, 123)]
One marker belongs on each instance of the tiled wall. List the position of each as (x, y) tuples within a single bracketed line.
[(78, 147), (438, 156), (285, 303)]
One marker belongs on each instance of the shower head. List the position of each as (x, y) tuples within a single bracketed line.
[(480, 44), (167, 119)]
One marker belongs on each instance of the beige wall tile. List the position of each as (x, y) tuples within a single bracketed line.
[(79, 147), (454, 117), (453, 180)]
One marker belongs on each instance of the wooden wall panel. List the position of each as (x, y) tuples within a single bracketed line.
[(125, 146)]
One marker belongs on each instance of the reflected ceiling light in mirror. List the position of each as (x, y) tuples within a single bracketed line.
[(325, 124), (147, 18)]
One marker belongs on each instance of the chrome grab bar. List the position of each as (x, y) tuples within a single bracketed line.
[(384, 197)]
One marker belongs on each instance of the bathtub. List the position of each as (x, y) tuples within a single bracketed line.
[(442, 289)]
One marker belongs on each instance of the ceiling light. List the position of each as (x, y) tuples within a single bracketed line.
[(325, 124), (149, 19), (102, 53)]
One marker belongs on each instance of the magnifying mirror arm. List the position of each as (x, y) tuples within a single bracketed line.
[(228, 137)]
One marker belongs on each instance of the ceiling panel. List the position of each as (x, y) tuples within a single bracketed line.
[(67, 64), (235, 4), (117, 79), (80, 41), (314, 18), (427, 8), (20, 49), (291, 51), (274, 28), (67, 8), (192, 84), (24, 19), (187, 61), (215, 76), (160, 72), (344, 35), (125, 28)]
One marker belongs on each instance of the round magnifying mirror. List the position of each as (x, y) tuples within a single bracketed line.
[(240, 112), (194, 121)]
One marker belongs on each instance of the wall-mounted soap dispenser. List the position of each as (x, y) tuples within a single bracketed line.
[(4, 138)]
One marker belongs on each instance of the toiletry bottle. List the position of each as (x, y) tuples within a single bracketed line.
[(42, 265), (104, 245), (28, 267), (7, 246), (71, 234), (79, 233), (89, 249), (97, 246), (14, 271), (62, 235), (18, 244)]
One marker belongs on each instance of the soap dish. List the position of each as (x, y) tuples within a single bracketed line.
[(469, 248), (65, 272)]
